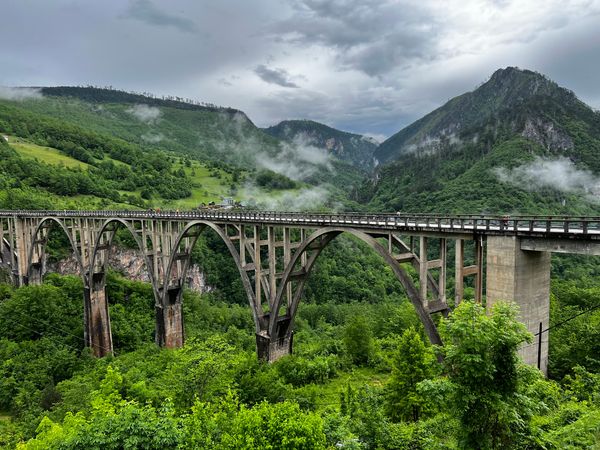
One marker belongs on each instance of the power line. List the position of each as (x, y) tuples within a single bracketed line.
[(568, 319), (60, 330)]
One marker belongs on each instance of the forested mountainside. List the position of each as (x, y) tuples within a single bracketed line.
[(517, 144), (353, 148), (127, 150)]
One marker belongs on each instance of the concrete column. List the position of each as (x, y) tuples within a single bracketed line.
[(98, 323), (459, 276), (271, 348), (21, 250), (169, 319), (524, 278)]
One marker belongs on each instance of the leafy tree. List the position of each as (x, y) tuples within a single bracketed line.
[(358, 341), (482, 381), (412, 364)]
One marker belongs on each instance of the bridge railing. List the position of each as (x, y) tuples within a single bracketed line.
[(410, 221)]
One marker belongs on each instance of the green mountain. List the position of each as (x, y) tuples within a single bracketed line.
[(353, 148), (519, 143), (104, 146)]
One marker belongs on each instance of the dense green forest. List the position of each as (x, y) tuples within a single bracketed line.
[(133, 128), (362, 375)]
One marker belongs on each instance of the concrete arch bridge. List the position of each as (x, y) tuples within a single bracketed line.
[(275, 252)]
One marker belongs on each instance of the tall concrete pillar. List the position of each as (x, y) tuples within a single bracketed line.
[(98, 319), (169, 319), (522, 277), (271, 348)]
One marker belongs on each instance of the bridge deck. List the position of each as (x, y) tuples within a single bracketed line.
[(587, 228)]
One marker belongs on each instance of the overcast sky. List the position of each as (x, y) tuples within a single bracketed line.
[(369, 66)]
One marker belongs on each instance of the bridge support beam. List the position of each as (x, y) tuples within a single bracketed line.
[(522, 277), (98, 331), (271, 350)]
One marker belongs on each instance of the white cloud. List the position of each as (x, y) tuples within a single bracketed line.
[(152, 138), (144, 113), (15, 93), (559, 173), (304, 199)]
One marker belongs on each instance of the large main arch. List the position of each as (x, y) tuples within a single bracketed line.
[(281, 327)]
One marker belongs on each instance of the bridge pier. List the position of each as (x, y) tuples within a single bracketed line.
[(523, 277), (271, 348), (169, 319), (97, 325)]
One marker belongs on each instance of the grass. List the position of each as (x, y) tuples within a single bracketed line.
[(208, 185), (328, 394), (46, 155)]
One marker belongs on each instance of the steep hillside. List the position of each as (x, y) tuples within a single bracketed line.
[(222, 136), (518, 143), (140, 150), (171, 124), (506, 89), (353, 148)]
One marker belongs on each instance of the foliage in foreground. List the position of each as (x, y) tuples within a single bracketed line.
[(387, 392)]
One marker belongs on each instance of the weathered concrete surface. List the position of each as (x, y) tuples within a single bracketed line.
[(522, 277), (271, 350), (99, 332), (561, 246), (170, 334)]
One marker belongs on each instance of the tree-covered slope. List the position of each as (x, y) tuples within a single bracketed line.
[(222, 139), (517, 144), (171, 124), (353, 148)]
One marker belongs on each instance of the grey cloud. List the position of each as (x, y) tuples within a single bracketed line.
[(371, 65), (15, 93), (146, 11), (373, 36), (280, 77)]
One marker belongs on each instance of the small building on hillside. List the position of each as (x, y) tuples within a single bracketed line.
[(5, 137), (227, 202)]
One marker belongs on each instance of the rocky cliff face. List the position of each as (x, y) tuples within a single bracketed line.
[(131, 264), (547, 135)]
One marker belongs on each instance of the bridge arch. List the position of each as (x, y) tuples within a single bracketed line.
[(325, 236), (97, 318), (192, 232), (37, 249), (103, 241)]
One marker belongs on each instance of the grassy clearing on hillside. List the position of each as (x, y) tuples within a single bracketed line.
[(46, 155), (208, 185)]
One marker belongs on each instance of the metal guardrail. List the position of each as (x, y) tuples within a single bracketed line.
[(521, 225)]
